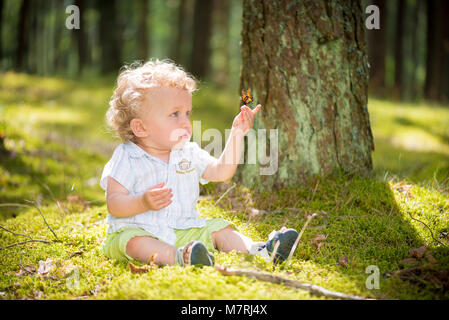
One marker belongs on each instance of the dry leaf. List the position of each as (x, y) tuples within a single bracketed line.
[(45, 267), (318, 238), (410, 261), (253, 212), (430, 258), (418, 252), (25, 270), (77, 199), (38, 294), (95, 290), (75, 253), (343, 261), (135, 269), (403, 188), (149, 266), (318, 241)]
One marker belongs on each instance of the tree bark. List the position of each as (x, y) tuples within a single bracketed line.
[(377, 49), (202, 24), (306, 63)]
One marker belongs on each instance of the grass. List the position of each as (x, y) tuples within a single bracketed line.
[(58, 144)]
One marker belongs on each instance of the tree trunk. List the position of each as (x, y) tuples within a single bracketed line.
[(109, 36), (222, 13), (34, 37), (202, 24), (182, 44), (377, 49), (143, 30), (177, 45), (1, 24), (81, 37), (414, 48), (435, 47), (398, 52), (307, 65), (22, 45), (444, 94)]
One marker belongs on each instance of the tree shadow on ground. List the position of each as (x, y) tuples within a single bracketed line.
[(26, 183), (40, 175), (416, 166), (362, 224), (429, 129)]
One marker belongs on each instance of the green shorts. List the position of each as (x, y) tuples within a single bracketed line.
[(114, 245)]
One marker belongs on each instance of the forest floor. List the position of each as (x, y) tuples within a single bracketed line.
[(395, 221)]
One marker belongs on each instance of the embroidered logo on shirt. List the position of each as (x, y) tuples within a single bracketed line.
[(185, 166)]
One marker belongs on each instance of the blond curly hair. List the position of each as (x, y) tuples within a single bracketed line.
[(133, 82)]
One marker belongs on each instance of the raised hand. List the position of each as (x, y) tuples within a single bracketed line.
[(157, 197), (245, 119)]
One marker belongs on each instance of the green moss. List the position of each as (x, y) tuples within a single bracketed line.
[(372, 221)]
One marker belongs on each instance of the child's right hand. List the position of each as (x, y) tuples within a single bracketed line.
[(157, 197)]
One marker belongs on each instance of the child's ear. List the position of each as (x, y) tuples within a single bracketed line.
[(138, 128)]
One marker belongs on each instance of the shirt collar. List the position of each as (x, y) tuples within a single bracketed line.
[(137, 152)]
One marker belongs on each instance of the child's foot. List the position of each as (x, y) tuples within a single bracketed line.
[(285, 237), (194, 253)]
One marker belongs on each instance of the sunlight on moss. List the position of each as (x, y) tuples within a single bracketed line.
[(367, 220), (47, 116)]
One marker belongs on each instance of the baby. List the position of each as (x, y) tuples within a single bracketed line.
[(152, 180)]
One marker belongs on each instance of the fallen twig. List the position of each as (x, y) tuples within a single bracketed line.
[(14, 205), (275, 250), (21, 242), (36, 205), (63, 210), (431, 233), (229, 189), (313, 289), (309, 218), (313, 194)]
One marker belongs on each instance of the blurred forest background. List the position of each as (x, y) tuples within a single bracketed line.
[(201, 35), (409, 54), (55, 85)]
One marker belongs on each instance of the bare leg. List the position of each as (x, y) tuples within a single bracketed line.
[(142, 248), (228, 239)]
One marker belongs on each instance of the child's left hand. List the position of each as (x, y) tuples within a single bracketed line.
[(244, 120)]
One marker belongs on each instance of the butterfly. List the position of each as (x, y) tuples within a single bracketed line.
[(247, 98)]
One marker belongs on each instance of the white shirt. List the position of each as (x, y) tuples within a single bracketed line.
[(136, 170)]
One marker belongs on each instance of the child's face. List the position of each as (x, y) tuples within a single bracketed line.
[(165, 114)]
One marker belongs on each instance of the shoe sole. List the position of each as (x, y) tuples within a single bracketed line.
[(287, 240), (199, 255)]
